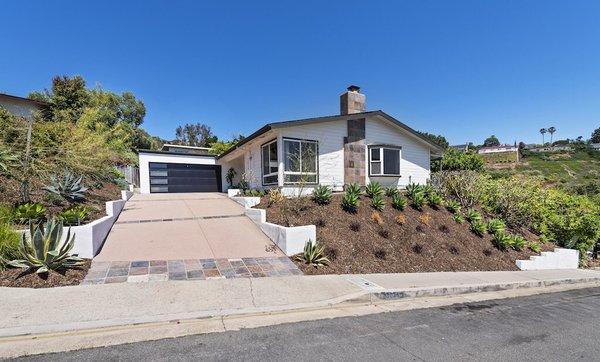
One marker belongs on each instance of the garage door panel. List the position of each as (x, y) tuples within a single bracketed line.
[(173, 177)]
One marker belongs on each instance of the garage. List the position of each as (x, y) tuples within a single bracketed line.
[(179, 170)]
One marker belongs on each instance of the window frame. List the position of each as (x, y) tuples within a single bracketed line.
[(382, 162), (262, 169), (316, 173)]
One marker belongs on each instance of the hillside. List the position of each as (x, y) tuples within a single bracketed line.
[(573, 171)]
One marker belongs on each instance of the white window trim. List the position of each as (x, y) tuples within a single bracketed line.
[(316, 173), (271, 165), (381, 161)]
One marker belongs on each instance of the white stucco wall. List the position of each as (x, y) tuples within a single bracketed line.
[(414, 162), (146, 158)]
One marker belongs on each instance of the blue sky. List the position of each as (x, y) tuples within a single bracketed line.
[(464, 69)]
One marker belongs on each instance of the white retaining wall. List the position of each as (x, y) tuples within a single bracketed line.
[(558, 259)]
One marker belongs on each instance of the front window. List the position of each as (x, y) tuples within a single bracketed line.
[(270, 164), (384, 161), (300, 161)]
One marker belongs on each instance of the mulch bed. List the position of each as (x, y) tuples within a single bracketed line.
[(96, 197), (428, 240), (19, 278)]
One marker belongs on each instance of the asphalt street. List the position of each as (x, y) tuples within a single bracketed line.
[(547, 327)]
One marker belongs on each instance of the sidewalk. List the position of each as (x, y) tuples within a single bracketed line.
[(27, 312)]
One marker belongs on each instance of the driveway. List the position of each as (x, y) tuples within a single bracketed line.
[(183, 227)]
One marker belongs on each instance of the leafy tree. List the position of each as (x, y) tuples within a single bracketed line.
[(219, 147), (198, 134), (491, 141), (68, 98), (454, 160), (595, 136), (437, 139)]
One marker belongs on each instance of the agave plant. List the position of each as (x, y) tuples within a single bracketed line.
[(350, 202), (70, 186), (418, 200), (473, 216), (434, 200), (392, 191), (413, 189), (458, 218), (517, 242), (28, 212), (374, 189), (43, 250), (495, 226), (313, 254), (398, 202), (353, 189), (377, 203), (535, 246), (322, 195), (453, 206), (74, 215), (478, 227), (502, 241)]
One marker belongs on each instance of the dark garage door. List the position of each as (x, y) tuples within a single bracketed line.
[(183, 177)]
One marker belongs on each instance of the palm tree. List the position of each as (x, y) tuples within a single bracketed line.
[(543, 132), (551, 130)]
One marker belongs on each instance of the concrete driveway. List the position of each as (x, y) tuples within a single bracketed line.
[(182, 227)]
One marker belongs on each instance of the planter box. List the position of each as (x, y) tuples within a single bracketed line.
[(89, 238)]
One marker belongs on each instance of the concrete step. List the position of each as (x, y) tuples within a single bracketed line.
[(560, 258)]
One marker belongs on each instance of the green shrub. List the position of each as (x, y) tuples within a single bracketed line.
[(413, 189), (69, 186), (458, 218), (9, 244), (350, 202), (313, 254), (254, 193), (398, 202), (418, 201), (377, 203), (74, 215), (473, 215), (453, 206), (275, 196), (495, 226), (322, 195), (428, 190), (534, 246), (392, 191), (354, 189), (478, 227), (434, 200), (517, 242), (502, 241), (374, 189), (43, 250), (454, 159), (29, 212)]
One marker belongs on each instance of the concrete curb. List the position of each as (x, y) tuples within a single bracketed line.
[(369, 296)]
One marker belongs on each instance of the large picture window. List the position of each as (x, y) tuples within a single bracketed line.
[(270, 164), (384, 161), (300, 161)]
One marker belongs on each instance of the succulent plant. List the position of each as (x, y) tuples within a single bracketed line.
[(374, 189), (535, 246), (398, 202), (322, 195), (377, 203), (517, 242), (70, 186), (434, 200), (313, 254), (453, 206), (350, 202), (473, 215), (418, 200), (495, 226), (43, 250), (74, 215), (413, 189), (502, 241), (458, 218), (29, 212), (353, 189), (478, 227), (392, 191)]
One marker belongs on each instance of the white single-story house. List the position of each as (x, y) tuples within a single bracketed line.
[(355, 146), (498, 149), (21, 107)]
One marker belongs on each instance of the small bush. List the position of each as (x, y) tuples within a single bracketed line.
[(517, 242), (398, 202), (418, 201), (453, 206), (495, 226), (434, 200), (29, 212), (377, 218), (380, 254), (384, 233), (275, 196), (313, 254), (417, 248), (425, 219), (392, 191), (377, 203), (473, 215), (354, 189), (502, 241), (322, 195), (413, 189), (374, 189), (74, 215), (350, 202), (458, 218), (478, 227), (535, 246), (400, 219)]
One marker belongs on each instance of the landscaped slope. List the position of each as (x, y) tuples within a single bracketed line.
[(403, 241)]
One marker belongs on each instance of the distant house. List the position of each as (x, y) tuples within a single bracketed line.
[(21, 107), (498, 149), (462, 148), (557, 148), (595, 146)]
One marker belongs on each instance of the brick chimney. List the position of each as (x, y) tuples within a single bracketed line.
[(352, 101)]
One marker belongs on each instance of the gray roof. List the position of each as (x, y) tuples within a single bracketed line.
[(303, 121)]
